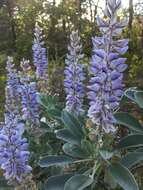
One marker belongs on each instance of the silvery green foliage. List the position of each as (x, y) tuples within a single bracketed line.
[(14, 152), (107, 66), (74, 75), (40, 54), (29, 95)]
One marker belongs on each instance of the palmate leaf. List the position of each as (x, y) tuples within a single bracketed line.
[(123, 177), (54, 160), (129, 121), (78, 182), (47, 102), (50, 104), (57, 182), (132, 159), (131, 141), (73, 124)]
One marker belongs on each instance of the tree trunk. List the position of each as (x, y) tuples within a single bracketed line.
[(79, 14), (131, 13), (95, 11), (10, 6), (91, 12)]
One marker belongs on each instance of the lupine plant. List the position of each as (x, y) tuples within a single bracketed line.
[(74, 76), (107, 66), (74, 150), (14, 152), (29, 95), (40, 60), (91, 144)]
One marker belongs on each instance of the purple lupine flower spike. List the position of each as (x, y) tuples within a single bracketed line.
[(74, 76), (107, 66), (12, 86), (14, 152), (29, 96), (40, 55)]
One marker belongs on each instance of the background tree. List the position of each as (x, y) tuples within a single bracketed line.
[(17, 21)]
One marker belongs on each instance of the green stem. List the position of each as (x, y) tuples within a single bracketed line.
[(94, 170), (85, 160)]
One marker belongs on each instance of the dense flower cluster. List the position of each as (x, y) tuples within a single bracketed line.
[(14, 152), (12, 87), (74, 75), (40, 55), (106, 87), (29, 95)]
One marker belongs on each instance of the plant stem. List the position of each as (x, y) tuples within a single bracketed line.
[(94, 170), (85, 160)]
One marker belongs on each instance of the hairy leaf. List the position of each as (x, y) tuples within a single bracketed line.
[(78, 182), (131, 141), (129, 121), (54, 160), (57, 182), (132, 159), (123, 177)]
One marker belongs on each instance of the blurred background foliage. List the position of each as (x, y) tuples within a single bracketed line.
[(17, 20)]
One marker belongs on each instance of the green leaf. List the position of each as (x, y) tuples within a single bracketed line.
[(106, 155), (132, 159), (67, 136), (45, 126), (108, 179), (131, 141), (56, 113), (88, 147), (78, 182), (73, 124), (54, 160), (129, 121), (123, 177), (57, 182), (139, 98), (74, 151), (130, 93), (4, 185), (139, 149), (47, 102)]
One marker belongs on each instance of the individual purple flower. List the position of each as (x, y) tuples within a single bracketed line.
[(40, 55), (107, 66), (29, 95), (74, 76)]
